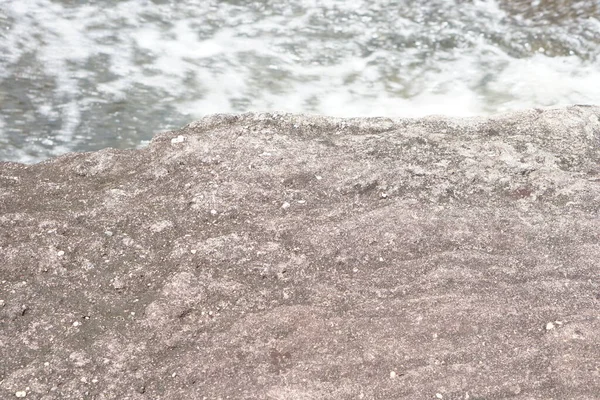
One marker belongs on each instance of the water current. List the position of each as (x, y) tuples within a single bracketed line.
[(84, 75)]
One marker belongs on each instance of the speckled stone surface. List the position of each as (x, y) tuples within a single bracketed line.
[(277, 256)]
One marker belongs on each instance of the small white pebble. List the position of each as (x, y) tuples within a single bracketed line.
[(213, 212), (439, 396), (549, 326), (46, 364), (178, 139), (193, 251), (61, 253), (384, 195), (319, 177), (21, 393), (393, 374), (301, 201), (1, 303), (108, 233), (174, 374), (285, 205), (94, 380), (381, 259), (76, 323)]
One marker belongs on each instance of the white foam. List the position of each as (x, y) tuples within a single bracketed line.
[(334, 57), (549, 81)]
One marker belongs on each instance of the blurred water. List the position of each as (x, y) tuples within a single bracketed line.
[(83, 75)]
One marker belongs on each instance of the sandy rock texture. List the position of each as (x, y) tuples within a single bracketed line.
[(277, 256)]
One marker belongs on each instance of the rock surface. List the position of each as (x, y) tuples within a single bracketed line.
[(278, 256)]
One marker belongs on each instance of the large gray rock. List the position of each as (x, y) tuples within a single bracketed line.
[(291, 257)]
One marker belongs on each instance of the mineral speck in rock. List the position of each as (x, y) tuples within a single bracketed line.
[(118, 283)]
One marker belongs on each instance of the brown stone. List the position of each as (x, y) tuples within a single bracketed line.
[(270, 256)]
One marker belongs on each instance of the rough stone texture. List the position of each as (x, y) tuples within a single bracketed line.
[(279, 256)]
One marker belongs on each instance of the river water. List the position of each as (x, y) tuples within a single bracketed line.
[(84, 75)]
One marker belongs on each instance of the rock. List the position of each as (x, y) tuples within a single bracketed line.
[(435, 248)]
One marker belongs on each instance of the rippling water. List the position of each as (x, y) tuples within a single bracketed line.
[(84, 75)]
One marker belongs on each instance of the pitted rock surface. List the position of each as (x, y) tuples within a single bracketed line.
[(277, 256)]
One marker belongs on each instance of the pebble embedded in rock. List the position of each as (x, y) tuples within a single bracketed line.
[(21, 393)]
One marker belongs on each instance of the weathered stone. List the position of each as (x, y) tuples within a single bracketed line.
[(293, 257)]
